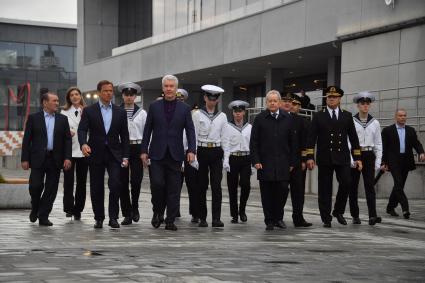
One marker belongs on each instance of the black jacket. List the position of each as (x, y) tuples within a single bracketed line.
[(34, 143), (301, 126), (117, 139), (273, 144), (331, 138), (391, 146)]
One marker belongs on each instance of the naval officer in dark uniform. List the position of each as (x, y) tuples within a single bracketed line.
[(331, 128)]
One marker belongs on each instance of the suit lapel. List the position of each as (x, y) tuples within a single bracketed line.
[(55, 127), (100, 116), (43, 124), (396, 137), (113, 116)]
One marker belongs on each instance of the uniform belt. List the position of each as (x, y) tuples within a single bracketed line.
[(240, 153), (366, 148), (136, 142), (209, 144)]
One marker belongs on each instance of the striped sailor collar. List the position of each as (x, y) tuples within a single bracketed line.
[(240, 129), (369, 120), (204, 111)]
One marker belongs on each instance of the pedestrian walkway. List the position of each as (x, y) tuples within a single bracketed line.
[(73, 251)]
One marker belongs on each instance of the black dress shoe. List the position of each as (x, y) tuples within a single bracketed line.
[(33, 217), (302, 223), (378, 219), (203, 223), (270, 227), (356, 220), (170, 226), (68, 214), (136, 215), (156, 222), (406, 215), (234, 220), (372, 221), (194, 219), (126, 221), (217, 223), (98, 224), (243, 217), (45, 222), (113, 223), (178, 215), (327, 225), (280, 224), (340, 218), (392, 212), (77, 216)]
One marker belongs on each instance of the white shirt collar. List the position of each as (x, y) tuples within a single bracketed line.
[(336, 111)]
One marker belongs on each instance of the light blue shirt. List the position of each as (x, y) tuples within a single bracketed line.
[(49, 119), (106, 115), (402, 137)]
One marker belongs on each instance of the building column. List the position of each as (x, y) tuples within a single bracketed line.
[(274, 79), (227, 97), (334, 71)]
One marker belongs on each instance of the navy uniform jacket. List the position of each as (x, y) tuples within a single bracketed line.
[(331, 138), (274, 144)]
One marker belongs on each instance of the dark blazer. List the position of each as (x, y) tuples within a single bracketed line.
[(331, 138), (391, 146), (116, 140), (34, 143), (273, 144), (166, 135), (301, 126)]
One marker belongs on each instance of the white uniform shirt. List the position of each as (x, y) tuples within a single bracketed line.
[(236, 139), (370, 136), (209, 129), (73, 122), (136, 125)]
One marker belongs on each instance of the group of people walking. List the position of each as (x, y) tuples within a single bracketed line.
[(176, 144)]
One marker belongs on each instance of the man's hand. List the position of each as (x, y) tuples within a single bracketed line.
[(291, 168), (190, 157), (359, 165), (144, 158), (303, 166), (258, 166), (310, 164), (384, 167), (86, 150), (66, 164), (72, 133), (25, 165), (422, 157), (124, 163), (226, 166)]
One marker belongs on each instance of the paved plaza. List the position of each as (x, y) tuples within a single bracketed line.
[(71, 251)]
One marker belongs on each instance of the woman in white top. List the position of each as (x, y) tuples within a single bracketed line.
[(73, 109)]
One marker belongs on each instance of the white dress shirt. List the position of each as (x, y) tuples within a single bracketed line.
[(209, 129), (336, 111), (74, 121)]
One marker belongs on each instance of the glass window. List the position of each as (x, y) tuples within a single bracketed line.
[(11, 55), (34, 53), (63, 57)]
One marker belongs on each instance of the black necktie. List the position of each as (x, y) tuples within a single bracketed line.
[(334, 115), (274, 114), (76, 113)]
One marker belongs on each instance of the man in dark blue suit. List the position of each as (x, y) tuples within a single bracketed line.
[(166, 120), (107, 148)]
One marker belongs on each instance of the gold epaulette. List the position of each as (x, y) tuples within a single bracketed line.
[(309, 151), (356, 152)]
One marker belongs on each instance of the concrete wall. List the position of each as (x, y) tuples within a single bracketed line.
[(288, 27)]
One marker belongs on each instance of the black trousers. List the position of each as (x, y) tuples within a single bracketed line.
[(80, 168), (368, 172), (399, 173), (192, 184), (297, 189), (325, 189), (272, 197), (97, 186), (165, 177), (239, 175), (43, 187), (133, 174), (210, 163)]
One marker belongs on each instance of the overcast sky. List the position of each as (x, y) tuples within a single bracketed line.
[(58, 11)]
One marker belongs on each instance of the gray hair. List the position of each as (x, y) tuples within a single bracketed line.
[(273, 92), (170, 78), (400, 109)]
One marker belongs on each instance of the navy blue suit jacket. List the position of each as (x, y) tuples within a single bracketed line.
[(168, 135)]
